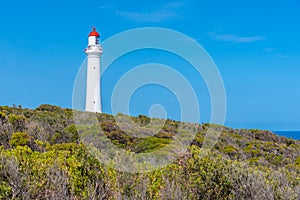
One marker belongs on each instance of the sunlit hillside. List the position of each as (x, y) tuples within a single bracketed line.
[(42, 157)]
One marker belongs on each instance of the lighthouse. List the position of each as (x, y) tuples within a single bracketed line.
[(94, 52)]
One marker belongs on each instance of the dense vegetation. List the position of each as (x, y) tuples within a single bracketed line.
[(42, 157)]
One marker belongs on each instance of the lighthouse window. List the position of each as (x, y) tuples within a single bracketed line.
[(97, 40)]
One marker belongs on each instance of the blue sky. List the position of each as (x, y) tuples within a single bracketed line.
[(255, 45)]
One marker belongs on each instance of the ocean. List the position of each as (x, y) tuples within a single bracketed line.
[(289, 134)]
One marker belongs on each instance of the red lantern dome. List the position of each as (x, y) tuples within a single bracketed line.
[(94, 33)]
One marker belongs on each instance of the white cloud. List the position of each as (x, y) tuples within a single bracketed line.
[(269, 50), (283, 56), (234, 38), (154, 16), (174, 5), (104, 7), (273, 50), (167, 12)]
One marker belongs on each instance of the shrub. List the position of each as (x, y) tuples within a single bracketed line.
[(18, 121), (2, 117), (19, 139), (230, 150)]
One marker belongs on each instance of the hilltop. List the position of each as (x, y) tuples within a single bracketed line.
[(42, 157)]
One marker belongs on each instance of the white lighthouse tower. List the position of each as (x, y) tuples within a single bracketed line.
[(94, 52)]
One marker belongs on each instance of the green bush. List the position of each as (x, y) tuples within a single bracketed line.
[(19, 139), (18, 122), (2, 117), (230, 150), (150, 144)]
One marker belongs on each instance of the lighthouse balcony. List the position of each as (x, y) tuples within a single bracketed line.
[(95, 49)]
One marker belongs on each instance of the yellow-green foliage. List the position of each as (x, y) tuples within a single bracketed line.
[(2, 115), (41, 157), (230, 150), (14, 119), (193, 177), (19, 139), (151, 144), (297, 161)]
